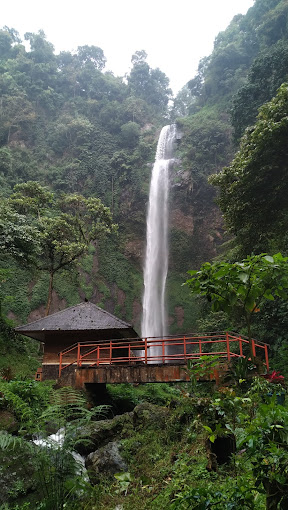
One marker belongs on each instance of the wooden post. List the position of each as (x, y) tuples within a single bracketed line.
[(184, 348), (146, 351), (163, 350), (78, 355), (60, 363), (110, 361), (129, 353), (228, 346), (98, 355)]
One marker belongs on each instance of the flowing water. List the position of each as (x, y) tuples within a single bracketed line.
[(154, 321), (56, 441)]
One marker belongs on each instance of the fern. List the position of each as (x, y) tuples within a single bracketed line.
[(7, 441), (56, 470), (16, 404)]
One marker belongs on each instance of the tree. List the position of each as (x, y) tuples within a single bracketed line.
[(41, 50), (18, 238), (16, 110), (254, 188), (63, 227), (130, 133), (266, 75), (152, 85), (92, 55), (242, 286)]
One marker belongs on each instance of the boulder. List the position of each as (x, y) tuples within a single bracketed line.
[(8, 421), (100, 433), (150, 415), (105, 461)]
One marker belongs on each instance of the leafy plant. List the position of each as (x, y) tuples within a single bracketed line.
[(202, 368), (124, 480), (266, 442), (242, 286), (58, 474)]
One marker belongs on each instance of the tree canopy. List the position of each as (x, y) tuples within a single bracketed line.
[(242, 286), (254, 188), (54, 231)]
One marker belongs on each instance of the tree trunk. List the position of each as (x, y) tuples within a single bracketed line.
[(49, 299), (273, 495)]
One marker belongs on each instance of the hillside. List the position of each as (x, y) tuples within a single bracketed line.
[(72, 127)]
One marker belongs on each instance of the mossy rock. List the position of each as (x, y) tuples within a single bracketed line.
[(147, 414), (8, 421), (98, 434)]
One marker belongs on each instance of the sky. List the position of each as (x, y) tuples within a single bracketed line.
[(175, 35)]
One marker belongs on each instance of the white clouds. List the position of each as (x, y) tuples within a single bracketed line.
[(174, 34)]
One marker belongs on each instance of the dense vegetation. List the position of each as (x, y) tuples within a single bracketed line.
[(180, 447), (72, 127), (74, 141)]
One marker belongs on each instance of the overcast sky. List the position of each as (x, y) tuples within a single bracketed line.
[(174, 34)]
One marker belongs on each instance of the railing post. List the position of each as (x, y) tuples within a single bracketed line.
[(146, 351), (163, 350), (110, 353), (98, 355), (266, 358), (129, 352), (184, 348), (200, 347), (240, 346), (253, 348), (228, 346), (78, 355), (60, 364)]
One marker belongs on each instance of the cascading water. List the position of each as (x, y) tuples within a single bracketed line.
[(154, 322)]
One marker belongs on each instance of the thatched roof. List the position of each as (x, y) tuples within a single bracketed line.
[(85, 317)]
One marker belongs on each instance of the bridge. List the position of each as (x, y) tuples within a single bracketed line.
[(151, 359)]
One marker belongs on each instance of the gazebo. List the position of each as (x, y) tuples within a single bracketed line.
[(84, 322)]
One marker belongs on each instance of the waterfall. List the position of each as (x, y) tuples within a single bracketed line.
[(154, 320)]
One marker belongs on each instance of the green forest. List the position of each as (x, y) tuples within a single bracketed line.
[(77, 145)]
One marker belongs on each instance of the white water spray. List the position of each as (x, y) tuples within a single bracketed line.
[(154, 321)]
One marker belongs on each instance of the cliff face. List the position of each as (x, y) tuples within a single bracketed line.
[(79, 129)]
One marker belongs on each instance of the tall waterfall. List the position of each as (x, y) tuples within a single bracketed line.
[(154, 321)]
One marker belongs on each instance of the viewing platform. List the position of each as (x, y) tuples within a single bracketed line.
[(144, 360), (84, 344)]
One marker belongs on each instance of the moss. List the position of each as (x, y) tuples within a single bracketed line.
[(87, 263), (178, 295), (40, 291), (66, 285), (21, 364), (115, 268), (15, 290), (103, 289)]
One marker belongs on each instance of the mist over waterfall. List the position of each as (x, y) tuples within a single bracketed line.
[(154, 320)]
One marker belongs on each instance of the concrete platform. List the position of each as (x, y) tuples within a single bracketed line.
[(131, 374)]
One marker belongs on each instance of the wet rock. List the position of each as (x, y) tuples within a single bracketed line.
[(105, 462), (99, 433)]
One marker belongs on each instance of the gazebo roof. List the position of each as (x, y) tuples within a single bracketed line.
[(83, 317)]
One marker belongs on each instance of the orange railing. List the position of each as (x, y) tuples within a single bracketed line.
[(177, 350)]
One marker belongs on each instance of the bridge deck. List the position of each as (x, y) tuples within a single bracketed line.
[(151, 359)]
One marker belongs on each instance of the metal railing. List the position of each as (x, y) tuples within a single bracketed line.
[(174, 350)]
